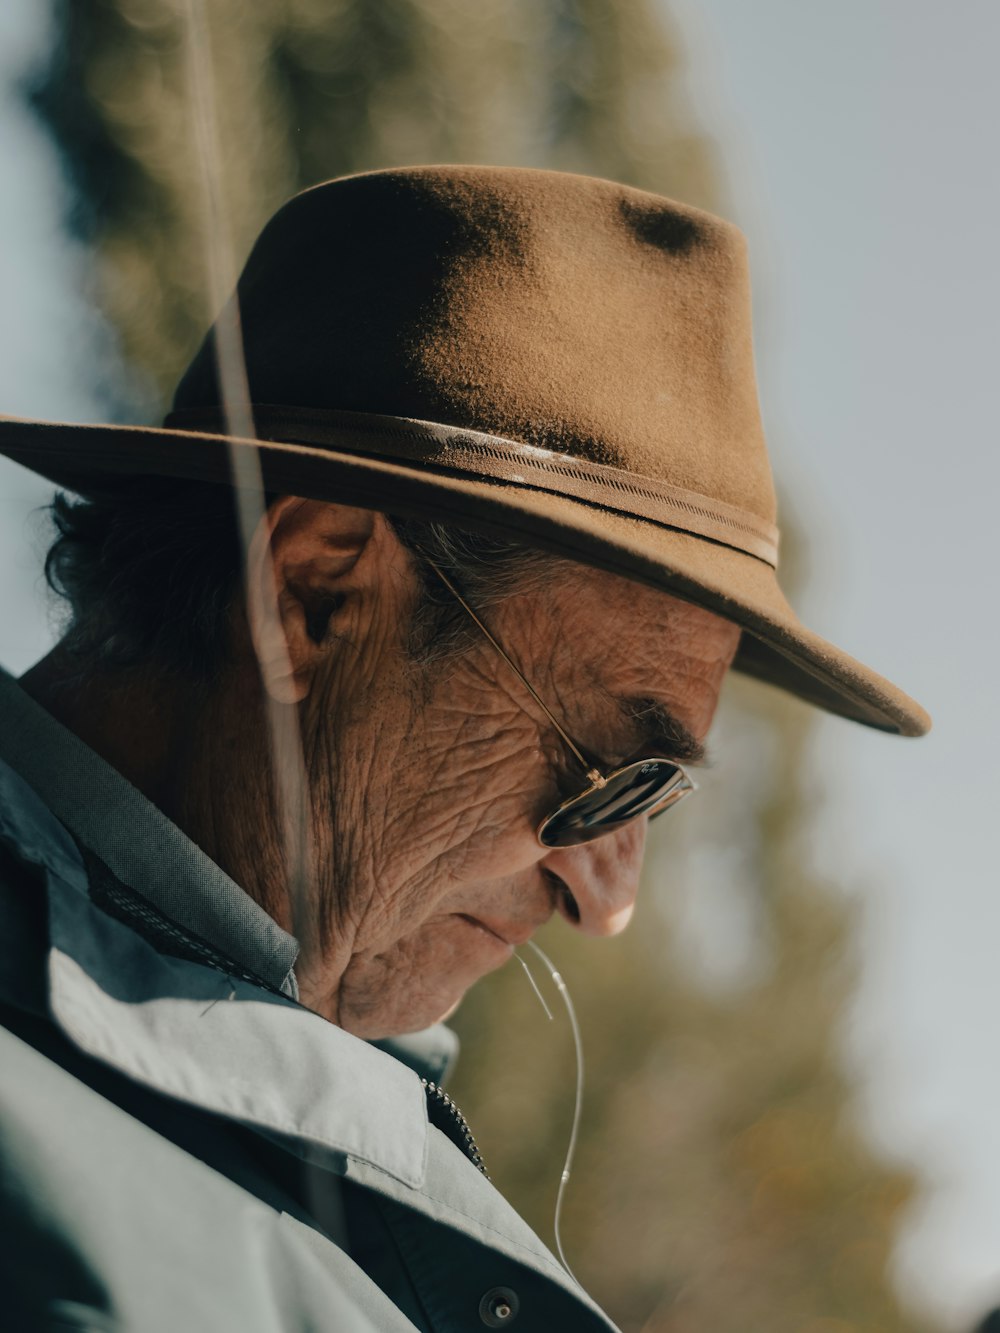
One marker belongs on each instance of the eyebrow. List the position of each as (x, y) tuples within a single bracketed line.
[(660, 729)]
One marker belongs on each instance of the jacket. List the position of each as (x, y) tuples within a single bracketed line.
[(184, 1146)]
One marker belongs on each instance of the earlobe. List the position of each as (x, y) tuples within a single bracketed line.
[(298, 571)]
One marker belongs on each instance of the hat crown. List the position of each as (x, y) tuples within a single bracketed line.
[(559, 311)]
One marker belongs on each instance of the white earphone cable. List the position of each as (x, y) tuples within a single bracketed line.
[(563, 990)]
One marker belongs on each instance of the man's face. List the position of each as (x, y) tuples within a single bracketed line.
[(429, 779)]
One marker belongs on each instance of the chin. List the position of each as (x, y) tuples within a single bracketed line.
[(399, 1015), (422, 984), (383, 1022)]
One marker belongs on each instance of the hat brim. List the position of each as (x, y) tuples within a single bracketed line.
[(776, 647)]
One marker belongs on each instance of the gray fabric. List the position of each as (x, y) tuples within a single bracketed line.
[(110, 1122), (431, 1053), (200, 1254), (137, 841)]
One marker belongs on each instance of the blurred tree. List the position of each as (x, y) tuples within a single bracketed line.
[(308, 89), (720, 1185)]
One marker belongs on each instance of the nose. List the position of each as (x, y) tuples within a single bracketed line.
[(603, 877)]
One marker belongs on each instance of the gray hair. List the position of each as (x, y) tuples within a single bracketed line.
[(151, 567)]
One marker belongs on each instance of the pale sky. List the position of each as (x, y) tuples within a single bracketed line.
[(858, 141)]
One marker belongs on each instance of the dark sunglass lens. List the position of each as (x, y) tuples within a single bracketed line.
[(629, 793)]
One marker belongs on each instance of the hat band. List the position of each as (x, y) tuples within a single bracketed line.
[(498, 458)]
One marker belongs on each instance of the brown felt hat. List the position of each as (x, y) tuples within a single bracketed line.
[(535, 354)]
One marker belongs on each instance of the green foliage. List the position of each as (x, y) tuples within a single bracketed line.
[(310, 89), (720, 1184)]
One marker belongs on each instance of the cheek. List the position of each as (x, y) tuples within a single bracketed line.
[(454, 810), (464, 797), (449, 866)]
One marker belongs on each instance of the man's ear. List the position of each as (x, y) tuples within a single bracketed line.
[(299, 570)]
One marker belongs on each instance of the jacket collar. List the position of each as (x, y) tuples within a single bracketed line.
[(185, 1030), (228, 1046), (139, 844)]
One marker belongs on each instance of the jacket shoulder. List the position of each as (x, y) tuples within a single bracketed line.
[(103, 1214)]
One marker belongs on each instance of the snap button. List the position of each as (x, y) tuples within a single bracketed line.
[(499, 1307)]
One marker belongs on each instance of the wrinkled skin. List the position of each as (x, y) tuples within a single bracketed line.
[(427, 777)]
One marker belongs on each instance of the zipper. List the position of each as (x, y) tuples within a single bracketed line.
[(445, 1116)]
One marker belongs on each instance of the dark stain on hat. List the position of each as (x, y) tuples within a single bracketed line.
[(659, 226)]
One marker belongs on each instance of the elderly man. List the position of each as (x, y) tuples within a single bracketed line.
[(267, 812)]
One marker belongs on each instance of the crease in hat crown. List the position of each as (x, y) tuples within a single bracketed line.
[(571, 314), (550, 357)]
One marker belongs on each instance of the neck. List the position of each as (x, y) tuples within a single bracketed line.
[(198, 750)]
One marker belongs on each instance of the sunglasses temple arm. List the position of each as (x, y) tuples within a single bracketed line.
[(588, 768)]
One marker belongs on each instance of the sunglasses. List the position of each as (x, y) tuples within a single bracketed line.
[(646, 787)]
